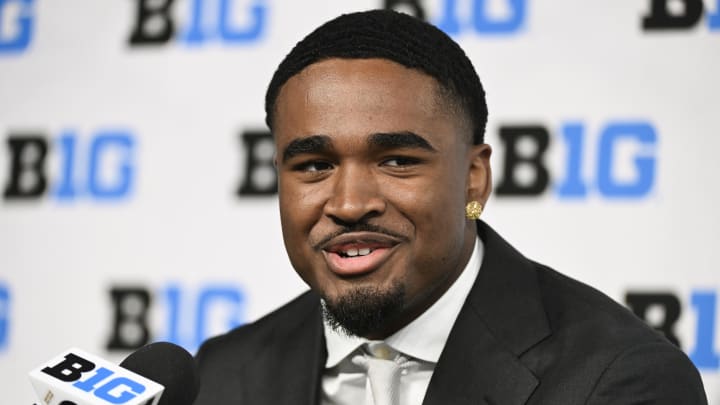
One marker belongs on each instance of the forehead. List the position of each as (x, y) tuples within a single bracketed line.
[(360, 95)]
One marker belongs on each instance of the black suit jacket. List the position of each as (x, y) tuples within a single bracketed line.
[(526, 335)]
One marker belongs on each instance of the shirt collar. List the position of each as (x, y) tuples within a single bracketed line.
[(424, 338)]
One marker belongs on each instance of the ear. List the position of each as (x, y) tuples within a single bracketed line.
[(479, 183)]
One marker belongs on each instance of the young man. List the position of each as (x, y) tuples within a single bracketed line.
[(378, 121)]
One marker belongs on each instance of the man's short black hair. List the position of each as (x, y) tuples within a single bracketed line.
[(397, 37)]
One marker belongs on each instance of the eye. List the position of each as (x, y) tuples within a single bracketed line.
[(312, 166), (400, 161)]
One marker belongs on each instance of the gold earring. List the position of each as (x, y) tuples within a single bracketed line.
[(473, 209)]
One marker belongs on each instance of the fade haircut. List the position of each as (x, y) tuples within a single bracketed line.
[(398, 37)]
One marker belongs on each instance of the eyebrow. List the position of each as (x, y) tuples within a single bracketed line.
[(322, 143), (309, 144), (405, 139)]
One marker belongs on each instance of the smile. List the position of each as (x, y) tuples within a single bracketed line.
[(358, 253)]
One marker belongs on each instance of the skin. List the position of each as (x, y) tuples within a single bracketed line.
[(371, 156)]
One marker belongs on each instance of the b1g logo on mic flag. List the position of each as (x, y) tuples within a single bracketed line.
[(76, 377)]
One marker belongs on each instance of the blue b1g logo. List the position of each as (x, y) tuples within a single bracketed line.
[(16, 25), (597, 150), (98, 167), (4, 316), (485, 18), (208, 21), (190, 315), (481, 17)]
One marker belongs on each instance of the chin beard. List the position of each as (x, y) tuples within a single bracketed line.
[(364, 310)]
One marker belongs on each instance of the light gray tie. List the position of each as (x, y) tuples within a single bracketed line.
[(384, 366)]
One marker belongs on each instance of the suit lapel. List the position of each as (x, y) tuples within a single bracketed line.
[(502, 318), (294, 358)]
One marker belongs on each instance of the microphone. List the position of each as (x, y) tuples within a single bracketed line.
[(156, 374), (169, 365)]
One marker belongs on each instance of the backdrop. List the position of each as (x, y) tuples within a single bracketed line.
[(139, 200)]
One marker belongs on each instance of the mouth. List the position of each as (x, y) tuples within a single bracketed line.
[(357, 254)]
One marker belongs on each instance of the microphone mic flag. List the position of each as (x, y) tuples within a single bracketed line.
[(156, 374), (76, 377)]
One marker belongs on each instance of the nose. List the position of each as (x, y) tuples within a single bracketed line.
[(355, 196)]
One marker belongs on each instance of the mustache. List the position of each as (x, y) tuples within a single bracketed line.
[(358, 227)]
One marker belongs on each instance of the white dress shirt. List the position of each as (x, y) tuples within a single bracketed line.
[(422, 340)]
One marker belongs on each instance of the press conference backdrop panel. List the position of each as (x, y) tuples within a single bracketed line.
[(139, 198)]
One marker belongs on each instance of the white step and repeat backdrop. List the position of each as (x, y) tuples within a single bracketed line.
[(138, 199)]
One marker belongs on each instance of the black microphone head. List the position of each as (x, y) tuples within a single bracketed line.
[(169, 365)]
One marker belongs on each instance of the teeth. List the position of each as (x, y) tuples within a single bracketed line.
[(357, 252)]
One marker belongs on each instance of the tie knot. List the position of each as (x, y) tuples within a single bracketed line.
[(383, 365), (380, 350)]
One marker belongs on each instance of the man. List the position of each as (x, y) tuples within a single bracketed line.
[(378, 121)]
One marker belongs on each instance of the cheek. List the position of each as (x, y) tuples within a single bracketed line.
[(298, 205), (296, 222), (301, 210), (433, 202), (436, 210)]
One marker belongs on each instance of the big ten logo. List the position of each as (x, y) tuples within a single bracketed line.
[(182, 316), (90, 381), (98, 167), (201, 21), (456, 17), (4, 316), (17, 21), (259, 176), (662, 310), (621, 163), (680, 15)]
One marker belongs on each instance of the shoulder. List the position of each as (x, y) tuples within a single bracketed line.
[(568, 302), (649, 372), (238, 366), (575, 309), (608, 352)]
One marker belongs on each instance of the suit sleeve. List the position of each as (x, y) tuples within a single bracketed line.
[(652, 373)]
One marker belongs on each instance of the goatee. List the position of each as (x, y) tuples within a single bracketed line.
[(364, 310)]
